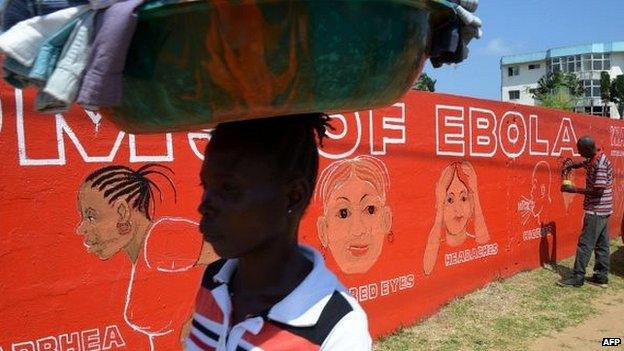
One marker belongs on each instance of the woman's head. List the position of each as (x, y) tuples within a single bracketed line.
[(458, 201), (113, 201), (356, 217), (257, 177)]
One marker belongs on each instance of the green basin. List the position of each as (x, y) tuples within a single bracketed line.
[(195, 64)]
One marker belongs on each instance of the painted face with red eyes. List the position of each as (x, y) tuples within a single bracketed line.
[(354, 224)]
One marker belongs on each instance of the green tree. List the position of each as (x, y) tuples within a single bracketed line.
[(425, 83), (617, 93), (560, 99), (605, 90), (558, 90)]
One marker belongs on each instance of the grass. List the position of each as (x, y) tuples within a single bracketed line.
[(509, 314)]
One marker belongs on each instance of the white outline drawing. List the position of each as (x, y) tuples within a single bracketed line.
[(333, 136), (391, 123), (170, 328), (533, 205)]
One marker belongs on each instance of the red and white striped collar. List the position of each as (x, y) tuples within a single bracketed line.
[(303, 306)]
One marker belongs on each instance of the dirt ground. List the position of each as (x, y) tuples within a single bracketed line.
[(588, 335)]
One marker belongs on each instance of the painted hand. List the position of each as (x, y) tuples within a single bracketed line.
[(472, 176), (440, 191)]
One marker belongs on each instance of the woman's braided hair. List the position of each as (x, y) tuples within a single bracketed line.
[(119, 181)]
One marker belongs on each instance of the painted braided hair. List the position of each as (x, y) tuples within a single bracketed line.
[(292, 142), (118, 181)]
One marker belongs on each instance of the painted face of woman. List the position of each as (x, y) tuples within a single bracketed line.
[(102, 230), (357, 222), (457, 207)]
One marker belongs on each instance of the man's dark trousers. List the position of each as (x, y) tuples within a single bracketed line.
[(594, 236)]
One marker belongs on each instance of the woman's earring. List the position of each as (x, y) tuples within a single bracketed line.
[(391, 237), (123, 228), (290, 211)]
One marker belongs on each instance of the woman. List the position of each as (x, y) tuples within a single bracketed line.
[(457, 202), (117, 204), (356, 218), (268, 292)]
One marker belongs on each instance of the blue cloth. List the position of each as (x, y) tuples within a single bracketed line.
[(15, 73), (21, 76), (50, 52), (63, 85), (48, 6), (19, 10)]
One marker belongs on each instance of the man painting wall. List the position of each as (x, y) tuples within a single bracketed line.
[(598, 206)]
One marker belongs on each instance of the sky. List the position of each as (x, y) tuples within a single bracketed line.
[(523, 26)]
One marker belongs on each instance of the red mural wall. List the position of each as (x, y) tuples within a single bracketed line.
[(416, 204)]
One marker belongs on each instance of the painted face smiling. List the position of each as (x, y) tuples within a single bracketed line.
[(355, 224)]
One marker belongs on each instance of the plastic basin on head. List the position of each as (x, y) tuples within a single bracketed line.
[(195, 64)]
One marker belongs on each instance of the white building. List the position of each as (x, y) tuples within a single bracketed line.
[(520, 73)]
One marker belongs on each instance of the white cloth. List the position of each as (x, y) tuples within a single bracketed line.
[(470, 5), (472, 22), (23, 40)]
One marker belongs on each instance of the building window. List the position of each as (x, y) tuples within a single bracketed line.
[(587, 59), (592, 88), (580, 63), (571, 64), (513, 71), (514, 94), (601, 62), (598, 111), (534, 66), (555, 64), (597, 65)]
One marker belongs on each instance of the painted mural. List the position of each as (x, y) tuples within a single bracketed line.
[(415, 204), (356, 219), (116, 204), (457, 205), (535, 204)]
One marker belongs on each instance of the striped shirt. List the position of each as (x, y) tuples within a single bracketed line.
[(599, 175), (319, 314)]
